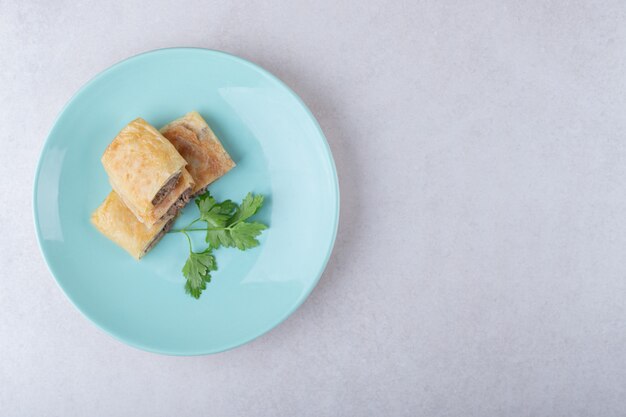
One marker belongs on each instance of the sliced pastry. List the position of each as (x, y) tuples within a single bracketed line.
[(207, 160), (114, 220), (147, 172)]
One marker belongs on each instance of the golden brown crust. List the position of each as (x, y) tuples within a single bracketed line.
[(207, 160), (114, 220), (139, 162)]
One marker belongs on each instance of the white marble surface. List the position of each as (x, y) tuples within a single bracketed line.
[(480, 267)]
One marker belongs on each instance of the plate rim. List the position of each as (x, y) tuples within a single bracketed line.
[(335, 182)]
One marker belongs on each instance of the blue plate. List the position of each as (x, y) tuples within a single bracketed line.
[(280, 152)]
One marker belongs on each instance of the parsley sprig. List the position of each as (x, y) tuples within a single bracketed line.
[(227, 226)]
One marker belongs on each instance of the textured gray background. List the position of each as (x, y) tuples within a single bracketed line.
[(480, 267)]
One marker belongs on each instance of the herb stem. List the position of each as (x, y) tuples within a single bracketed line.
[(192, 223), (186, 228), (213, 229), (188, 240)]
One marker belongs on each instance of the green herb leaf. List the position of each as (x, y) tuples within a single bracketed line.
[(205, 201), (248, 208), (214, 213), (197, 271), (226, 221), (226, 226), (219, 237), (244, 235)]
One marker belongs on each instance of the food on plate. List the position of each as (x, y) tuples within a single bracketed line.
[(207, 160), (154, 175), (147, 172), (114, 220)]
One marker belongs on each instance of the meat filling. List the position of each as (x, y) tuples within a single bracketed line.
[(200, 191), (166, 189), (179, 204), (159, 235), (171, 212)]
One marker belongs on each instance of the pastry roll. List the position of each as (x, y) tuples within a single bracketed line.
[(114, 220), (145, 171), (207, 160)]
